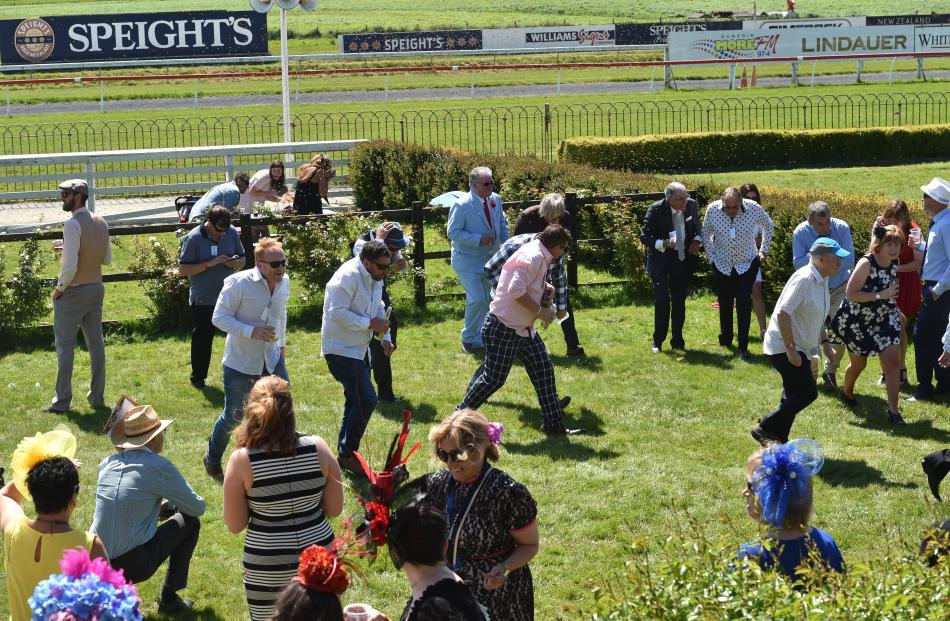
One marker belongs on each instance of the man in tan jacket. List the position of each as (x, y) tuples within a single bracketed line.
[(77, 299)]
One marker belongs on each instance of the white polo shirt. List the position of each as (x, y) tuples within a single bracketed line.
[(806, 300)]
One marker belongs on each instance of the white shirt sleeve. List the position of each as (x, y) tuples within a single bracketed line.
[(69, 262), (225, 311)]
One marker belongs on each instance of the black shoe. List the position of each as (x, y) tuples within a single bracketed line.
[(564, 402), (213, 469), (472, 348), (390, 398), (174, 604), (198, 383), (895, 418), (936, 466), (763, 437), (560, 430), (677, 344), (921, 394), (351, 465), (51, 410), (829, 379), (577, 352), (745, 355), (851, 402)]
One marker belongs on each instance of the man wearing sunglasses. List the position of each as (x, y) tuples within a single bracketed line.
[(353, 312), (77, 298), (477, 227), (207, 258), (252, 310)]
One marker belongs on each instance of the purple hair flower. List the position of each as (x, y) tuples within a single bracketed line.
[(494, 432)]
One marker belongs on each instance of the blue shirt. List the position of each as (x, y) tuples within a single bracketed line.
[(129, 493), (937, 260), (226, 194), (805, 235), (198, 247), (791, 552)]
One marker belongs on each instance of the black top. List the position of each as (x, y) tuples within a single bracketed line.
[(307, 198), (530, 221), (446, 600)]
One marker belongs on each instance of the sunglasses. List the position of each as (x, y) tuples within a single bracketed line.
[(276, 264), (456, 455), (381, 266), (485, 184)]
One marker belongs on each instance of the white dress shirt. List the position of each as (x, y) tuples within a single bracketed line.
[(69, 262), (805, 300), (730, 243), (246, 303), (351, 299)]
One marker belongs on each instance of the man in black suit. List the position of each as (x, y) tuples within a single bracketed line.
[(673, 237)]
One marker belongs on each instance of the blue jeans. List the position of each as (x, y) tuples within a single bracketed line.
[(477, 298), (237, 385), (360, 399)]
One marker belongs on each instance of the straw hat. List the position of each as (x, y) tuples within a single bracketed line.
[(138, 427)]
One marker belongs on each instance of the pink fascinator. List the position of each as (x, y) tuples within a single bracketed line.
[(494, 432)]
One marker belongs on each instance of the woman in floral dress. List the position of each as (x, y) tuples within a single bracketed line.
[(869, 322)]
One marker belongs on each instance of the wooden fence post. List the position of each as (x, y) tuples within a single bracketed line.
[(419, 253), (247, 241), (570, 204)]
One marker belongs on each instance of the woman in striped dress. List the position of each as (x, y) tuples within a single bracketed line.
[(281, 486)]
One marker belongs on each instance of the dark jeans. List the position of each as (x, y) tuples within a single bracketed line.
[(798, 391), (570, 331), (928, 335), (360, 400), (735, 289), (381, 363), (669, 295), (175, 540), (202, 335)]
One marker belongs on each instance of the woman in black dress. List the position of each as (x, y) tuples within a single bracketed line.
[(313, 179), (869, 322), (493, 532), (417, 543)]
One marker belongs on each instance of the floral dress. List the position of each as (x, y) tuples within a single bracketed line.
[(868, 328), (484, 537)]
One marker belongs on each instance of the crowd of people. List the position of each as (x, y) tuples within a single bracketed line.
[(467, 537)]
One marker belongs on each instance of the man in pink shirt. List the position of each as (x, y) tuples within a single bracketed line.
[(521, 297)]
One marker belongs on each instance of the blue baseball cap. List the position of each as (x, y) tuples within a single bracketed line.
[(826, 245)]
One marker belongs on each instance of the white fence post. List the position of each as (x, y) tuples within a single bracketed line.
[(228, 167), (920, 69), (795, 74), (91, 182), (732, 76), (667, 69), (859, 69)]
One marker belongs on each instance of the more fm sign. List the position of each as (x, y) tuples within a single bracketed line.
[(132, 35), (747, 45)]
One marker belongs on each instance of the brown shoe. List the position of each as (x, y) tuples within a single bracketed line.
[(213, 469), (351, 465)]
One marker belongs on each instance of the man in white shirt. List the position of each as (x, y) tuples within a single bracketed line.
[(794, 336), (77, 298), (353, 312), (729, 236), (252, 310)]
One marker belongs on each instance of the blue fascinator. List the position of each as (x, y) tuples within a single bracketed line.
[(783, 475)]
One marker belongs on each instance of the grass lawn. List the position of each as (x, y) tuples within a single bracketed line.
[(669, 431), (316, 31)]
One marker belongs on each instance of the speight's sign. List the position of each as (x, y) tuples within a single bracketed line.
[(422, 41), (132, 35)]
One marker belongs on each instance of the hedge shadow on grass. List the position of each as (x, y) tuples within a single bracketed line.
[(856, 473)]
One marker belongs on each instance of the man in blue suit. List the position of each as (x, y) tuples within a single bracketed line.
[(477, 229)]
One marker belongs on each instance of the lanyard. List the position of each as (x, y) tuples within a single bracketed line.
[(453, 512)]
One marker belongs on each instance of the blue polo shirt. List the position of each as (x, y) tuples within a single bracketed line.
[(198, 247), (805, 235), (937, 260)]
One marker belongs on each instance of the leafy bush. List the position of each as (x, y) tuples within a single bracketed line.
[(688, 578), (152, 261), (23, 297), (759, 149)]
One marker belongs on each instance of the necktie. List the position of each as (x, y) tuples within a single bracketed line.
[(680, 235), (487, 212)]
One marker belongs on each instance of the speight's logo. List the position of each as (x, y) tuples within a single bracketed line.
[(33, 40), (738, 47)]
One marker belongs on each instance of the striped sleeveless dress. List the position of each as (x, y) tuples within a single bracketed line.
[(286, 517)]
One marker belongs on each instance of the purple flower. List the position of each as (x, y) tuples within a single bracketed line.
[(494, 432)]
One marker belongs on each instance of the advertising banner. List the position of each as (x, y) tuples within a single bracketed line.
[(422, 41), (77, 38), (789, 24), (656, 34), (745, 45), (932, 39), (907, 20), (551, 36)]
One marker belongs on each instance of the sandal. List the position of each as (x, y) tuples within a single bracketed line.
[(851, 402)]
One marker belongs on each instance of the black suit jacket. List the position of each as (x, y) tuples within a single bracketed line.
[(657, 224)]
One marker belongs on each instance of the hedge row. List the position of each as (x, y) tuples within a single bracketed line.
[(759, 149), (388, 175)]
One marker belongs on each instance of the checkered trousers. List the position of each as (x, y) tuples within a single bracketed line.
[(503, 345)]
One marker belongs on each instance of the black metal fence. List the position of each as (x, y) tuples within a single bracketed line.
[(519, 130)]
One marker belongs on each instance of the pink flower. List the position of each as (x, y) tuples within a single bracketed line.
[(494, 432)]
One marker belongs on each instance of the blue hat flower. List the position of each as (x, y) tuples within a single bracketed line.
[(784, 474)]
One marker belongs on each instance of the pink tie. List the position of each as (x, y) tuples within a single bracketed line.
[(487, 212)]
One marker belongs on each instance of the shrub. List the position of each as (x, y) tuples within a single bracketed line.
[(156, 265), (759, 149), (688, 578), (23, 298)]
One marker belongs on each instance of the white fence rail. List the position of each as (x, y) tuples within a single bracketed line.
[(156, 171)]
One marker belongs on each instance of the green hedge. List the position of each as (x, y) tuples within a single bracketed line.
[(388, 175), (759, 149)]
